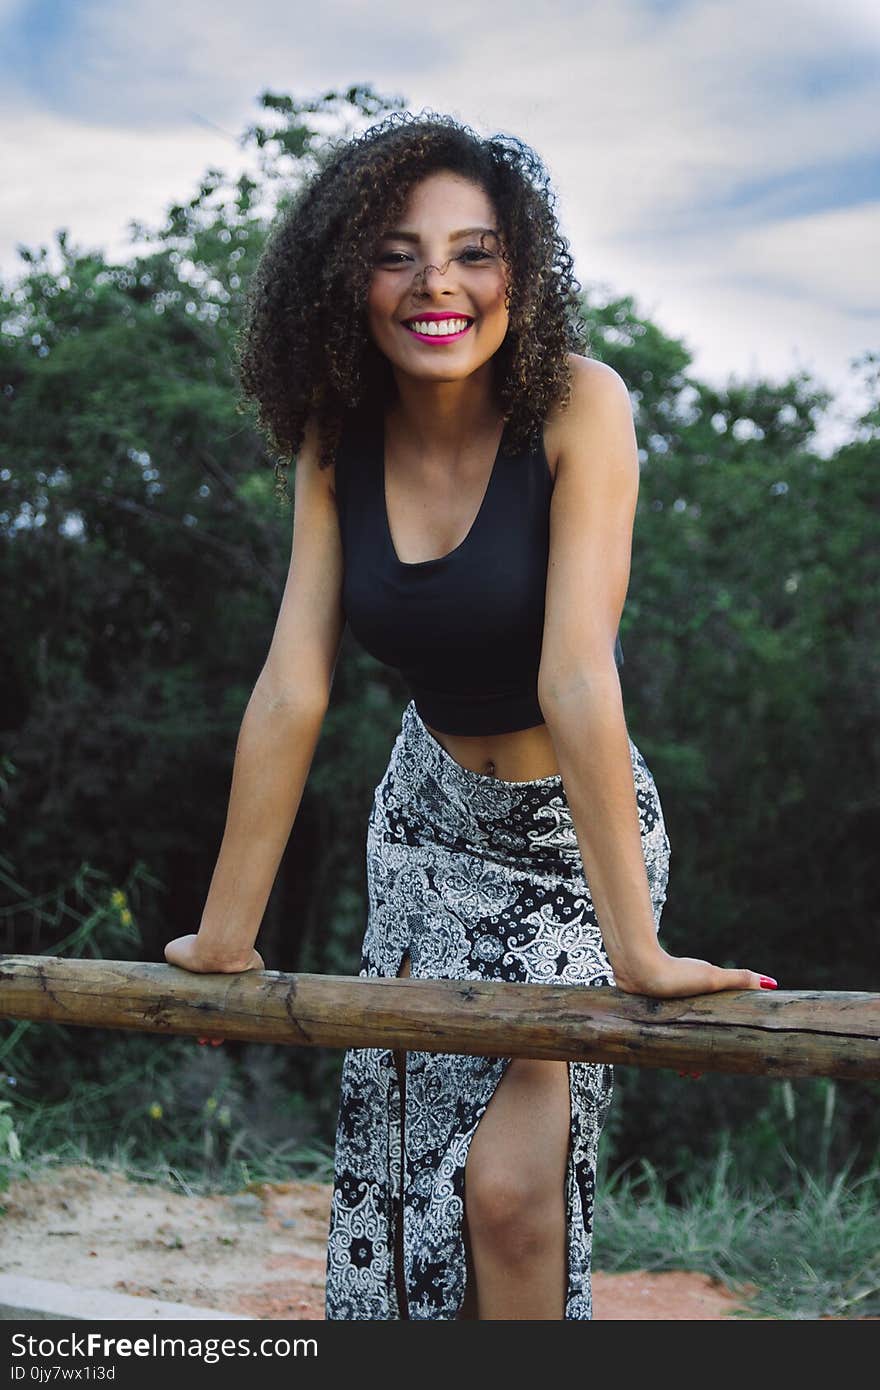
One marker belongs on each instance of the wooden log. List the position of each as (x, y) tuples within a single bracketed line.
[(757, 1032)]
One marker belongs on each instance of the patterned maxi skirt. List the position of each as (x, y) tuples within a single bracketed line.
[(478, 879)]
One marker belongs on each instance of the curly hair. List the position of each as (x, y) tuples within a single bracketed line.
[(304, 348)]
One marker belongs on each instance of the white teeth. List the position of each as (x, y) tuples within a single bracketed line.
[(438, 327)]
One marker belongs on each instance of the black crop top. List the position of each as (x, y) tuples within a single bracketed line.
[(464, 629)]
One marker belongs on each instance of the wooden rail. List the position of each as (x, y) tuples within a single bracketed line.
[(758, 1032)]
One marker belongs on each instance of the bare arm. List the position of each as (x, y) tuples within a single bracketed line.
[(278, 735), (592, 517)]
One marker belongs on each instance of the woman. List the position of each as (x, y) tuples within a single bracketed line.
[(465, 493)]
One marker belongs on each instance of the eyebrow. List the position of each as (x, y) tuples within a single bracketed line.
[(400, 235)]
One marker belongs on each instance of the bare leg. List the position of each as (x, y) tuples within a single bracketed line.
[(515, 1193)]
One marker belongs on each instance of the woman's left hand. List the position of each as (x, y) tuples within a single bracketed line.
[(672, 977), (663, 976)]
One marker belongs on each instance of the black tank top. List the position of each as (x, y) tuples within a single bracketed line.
[(464, 629)]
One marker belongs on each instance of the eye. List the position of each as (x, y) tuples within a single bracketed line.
[(388, 258), (477, 253)]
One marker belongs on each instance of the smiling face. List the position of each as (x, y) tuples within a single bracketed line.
[(447, 224)]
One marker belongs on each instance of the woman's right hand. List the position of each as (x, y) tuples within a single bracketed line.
[(187, 952), (190, 954)]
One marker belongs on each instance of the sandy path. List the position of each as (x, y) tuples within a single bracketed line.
[(260, 1251)]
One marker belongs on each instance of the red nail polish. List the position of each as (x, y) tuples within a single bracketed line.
[(768, 982)]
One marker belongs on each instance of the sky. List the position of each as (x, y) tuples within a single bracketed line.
[(718, 160)]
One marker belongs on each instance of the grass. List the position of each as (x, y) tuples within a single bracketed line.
[(205, 1147), (811, 1252)]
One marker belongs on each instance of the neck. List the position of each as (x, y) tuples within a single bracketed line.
[(445, 415)]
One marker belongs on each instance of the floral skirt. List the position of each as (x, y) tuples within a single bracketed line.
[(477, 879)]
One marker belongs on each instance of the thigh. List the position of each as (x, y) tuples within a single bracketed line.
[(519, 1151)]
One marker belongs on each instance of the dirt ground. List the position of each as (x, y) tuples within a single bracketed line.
[(260, 1251)]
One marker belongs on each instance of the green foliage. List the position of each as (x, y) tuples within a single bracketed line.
[(143, 557), (810, 1252)]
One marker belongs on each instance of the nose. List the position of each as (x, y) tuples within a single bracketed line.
[(421, 276)]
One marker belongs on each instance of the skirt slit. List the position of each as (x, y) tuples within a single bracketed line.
[(475, 878)]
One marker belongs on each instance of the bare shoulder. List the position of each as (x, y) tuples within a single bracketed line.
[(592, 383)]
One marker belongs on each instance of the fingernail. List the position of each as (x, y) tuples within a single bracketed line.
[(768, 982)]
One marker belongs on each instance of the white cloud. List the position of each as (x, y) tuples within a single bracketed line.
[(93, 180)]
